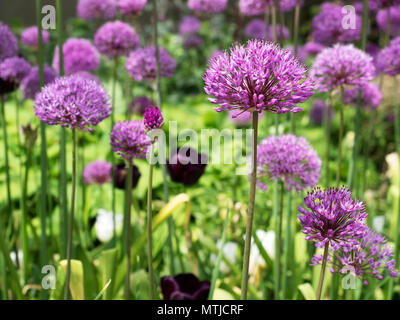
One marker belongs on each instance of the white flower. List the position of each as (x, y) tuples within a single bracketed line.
[(377, 223), (229, 251), (13, 257), (267, 239), (392, 160), (105, 225)]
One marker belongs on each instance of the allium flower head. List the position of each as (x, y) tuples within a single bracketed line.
[(382, 20), (97, 172), (131, 7), (14, 69), (97, 9), (79, 55), (153, 118), (327, 26), (290, 159), (342, 65), (252, 7), (240, 118), (139, 105), (313, 48), (189, 25), (184, 286), (382, 4), (141, 64), (8, 42), (88, 76), (30, 84), (332, 216), (115, 39), (287, 5), (129, 140), (30, 37), (388, 60), (259, 76), (73, 102), (371, 96), (319, 111), (210, 6), (256, 29)]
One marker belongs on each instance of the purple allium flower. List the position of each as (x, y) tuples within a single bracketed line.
[(139, 105), (210, 6), (153, 118), (88, 76), (215, 54), (73, 102), (30, 84), (30, 37), (241, 118), (288, 5), (97, 172), (97, 9), (259, 76), (256, 29), (301, 55), (388, 60), (189, 25), (290, 159), (192, 41), (373, 50), (371, 96), (313, 48), (332, 216), (115, 39), (120, 171), (186, 166), (382, 4), (14, 69), (184, 286), (8, 42), (319, 111), (141, 64), (342, 65), (327, 26), (129, 140), (252, 7), (369, 256), (79, 55), (382, 20), (131, 7)]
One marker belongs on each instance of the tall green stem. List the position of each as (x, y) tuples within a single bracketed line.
[(250, 216), (327, 124), (288, 235), (7, 167), (322, 275), (339, 161), (149, 225), (113, 98), (128, 206), (71, 216), (279, 252)]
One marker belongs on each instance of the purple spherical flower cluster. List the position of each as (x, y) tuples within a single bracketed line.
[(342, 65), (241, 118), (382, 4), (388, 60), (79, 55), (141, 64), (14, 69), (371, 96), (327, 26), (332, 216), (252, 7), (189, 25), (256, 29), (30, 84), (30, 37), (153, 118), (115, 39), (97, 9), (259, 76), (210, 6), (129, 140), (131, 7), (290, 159), (8, 42), (73, 102), (382, 20), (139, 105), (97, 172), (287, 5), (319, 111), (313, 48)]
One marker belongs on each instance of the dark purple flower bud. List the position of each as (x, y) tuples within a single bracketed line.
[(120, 172), (153, 118), (184, 286), (187, 166)]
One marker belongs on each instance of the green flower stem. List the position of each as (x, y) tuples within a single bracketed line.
[(327, 124), (71, 216), (149, 225), (7, 167), (279, 239), (128, 206), (287, 243), (339, 161), (250, 216), (321, 277)]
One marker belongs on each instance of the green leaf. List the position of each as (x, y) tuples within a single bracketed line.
[(107, 268), (221, 294), (307, 291), (76, 286)]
